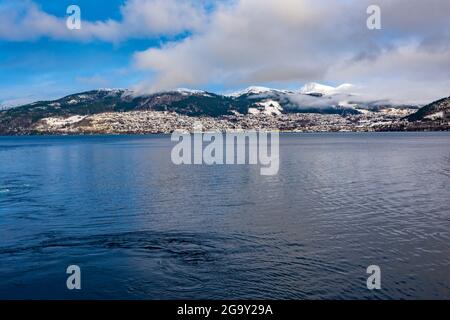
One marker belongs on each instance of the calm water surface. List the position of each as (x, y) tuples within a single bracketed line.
[(141, 228)]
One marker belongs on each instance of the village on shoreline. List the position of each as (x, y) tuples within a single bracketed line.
[(156, 122)]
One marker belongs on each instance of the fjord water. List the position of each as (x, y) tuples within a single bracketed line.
[(140, 227)]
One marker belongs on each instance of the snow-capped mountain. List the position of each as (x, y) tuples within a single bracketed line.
[(311, 98), (436, 111), (186, 91), (255, 90)]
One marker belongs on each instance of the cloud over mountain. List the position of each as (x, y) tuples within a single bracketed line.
[(235, 43), (300, 41)]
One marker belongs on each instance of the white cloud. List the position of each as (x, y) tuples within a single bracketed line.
[(140, 19), (24, 21), (251, 42), (285, 41), (405, 74)]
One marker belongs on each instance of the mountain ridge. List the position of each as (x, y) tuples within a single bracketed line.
[(437, 110), (312, 98)]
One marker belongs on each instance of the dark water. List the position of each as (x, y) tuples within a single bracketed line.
[(142, 228)]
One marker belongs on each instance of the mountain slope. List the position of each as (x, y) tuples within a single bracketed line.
[(258, 91), (438, 110), (312, 98), (182, 101)]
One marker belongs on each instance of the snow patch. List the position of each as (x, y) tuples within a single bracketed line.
[(435, 116), (254, 90), (364, 111), (253, 111), (189, 91), (269, 107), (62, 122), (115, 90)]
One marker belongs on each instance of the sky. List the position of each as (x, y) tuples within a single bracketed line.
[(224, 45)]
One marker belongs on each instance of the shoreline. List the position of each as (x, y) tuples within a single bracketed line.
[(163, 122), (99, 134)]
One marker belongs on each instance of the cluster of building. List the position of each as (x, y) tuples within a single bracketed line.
[(152, 122)]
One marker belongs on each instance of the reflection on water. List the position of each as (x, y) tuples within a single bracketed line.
[(142, 228)]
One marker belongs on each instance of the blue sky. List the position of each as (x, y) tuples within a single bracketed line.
[(223, 45), (47, 68)]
